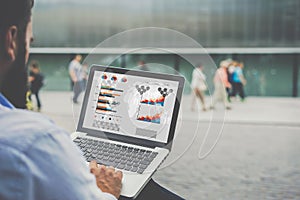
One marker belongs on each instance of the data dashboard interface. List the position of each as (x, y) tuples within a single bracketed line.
[(131, 105)]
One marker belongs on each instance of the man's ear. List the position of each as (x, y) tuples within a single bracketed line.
[(11, 43)]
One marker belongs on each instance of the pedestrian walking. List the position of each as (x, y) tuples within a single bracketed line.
[(238, 81), (230, 71), (199, 86), (36, 82), (75, 72), (221, 83)]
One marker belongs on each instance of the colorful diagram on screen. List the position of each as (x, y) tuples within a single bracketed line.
[(114, 78), (109, 93), (153, 119), (107, 99), (158, 101), (152, 98)]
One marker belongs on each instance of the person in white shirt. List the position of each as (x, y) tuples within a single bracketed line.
[(75, 71), (199, 86)]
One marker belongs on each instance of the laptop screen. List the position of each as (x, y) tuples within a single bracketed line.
[(131, 105)]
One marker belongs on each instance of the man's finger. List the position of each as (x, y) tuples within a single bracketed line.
[(119, 174), (110, 171), (102, 170), (102, 167), (93, 164)]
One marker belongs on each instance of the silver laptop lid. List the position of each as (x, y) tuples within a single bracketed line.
[(136, 107)]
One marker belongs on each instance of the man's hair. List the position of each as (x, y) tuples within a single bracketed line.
[(15, 12), (14, 82)]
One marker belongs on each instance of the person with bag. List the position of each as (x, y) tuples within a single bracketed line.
[(36, 80)]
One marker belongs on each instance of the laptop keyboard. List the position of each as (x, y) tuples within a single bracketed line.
[(116, 155)]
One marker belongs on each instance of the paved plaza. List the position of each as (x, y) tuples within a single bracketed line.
[(249, 152)]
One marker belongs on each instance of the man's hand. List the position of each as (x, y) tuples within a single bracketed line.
[(107, 179)]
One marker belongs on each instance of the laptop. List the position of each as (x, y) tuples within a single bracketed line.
[(127, 121)]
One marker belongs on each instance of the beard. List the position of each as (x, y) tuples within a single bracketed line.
[(14, 85)]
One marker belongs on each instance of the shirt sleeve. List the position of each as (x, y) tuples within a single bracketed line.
[(109, 196), (12, 172), (52, 168), (64, 167)]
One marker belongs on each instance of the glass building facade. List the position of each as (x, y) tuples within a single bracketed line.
[(213, 24)]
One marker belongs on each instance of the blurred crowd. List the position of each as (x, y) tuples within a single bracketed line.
[(229, 82)]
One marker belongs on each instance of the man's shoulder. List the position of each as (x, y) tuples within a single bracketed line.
[(20, 128), (23, 116), (39, 159)]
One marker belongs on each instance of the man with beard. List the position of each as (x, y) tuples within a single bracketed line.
[(38, 162), (38, 159)]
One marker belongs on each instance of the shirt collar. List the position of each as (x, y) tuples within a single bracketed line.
[(4, 102)]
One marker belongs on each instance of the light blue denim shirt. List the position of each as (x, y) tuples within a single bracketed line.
[(38, 160)]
